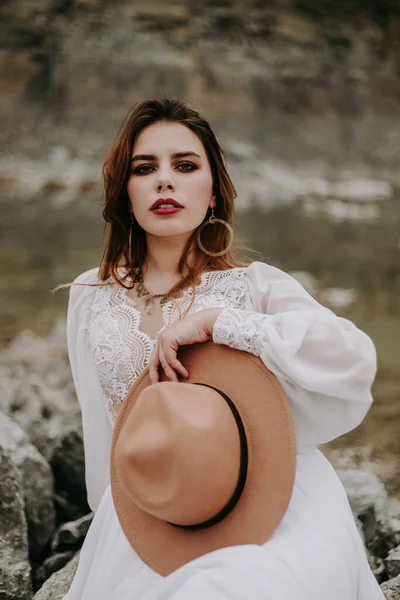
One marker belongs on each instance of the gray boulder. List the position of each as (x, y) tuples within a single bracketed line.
[(379, 515), (366, 493), (382, 529), (37, 484), (391, 588), (68, 464), (15, 570), (68, 508), (59, 583), (384, 535), (51, 565), (36, 387), (377, 567), (392, 563), (70, 536), (56, 562)]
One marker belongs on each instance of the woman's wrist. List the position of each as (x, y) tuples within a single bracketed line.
[(212, 315)]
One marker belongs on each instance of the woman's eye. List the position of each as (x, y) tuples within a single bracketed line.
[(191, 166), (140, 171), (144, 169)]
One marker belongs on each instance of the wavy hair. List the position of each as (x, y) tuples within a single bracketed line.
[(116, 210)]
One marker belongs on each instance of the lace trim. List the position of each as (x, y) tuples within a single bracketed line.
[(121, 350), (115, 351), (240, 329)]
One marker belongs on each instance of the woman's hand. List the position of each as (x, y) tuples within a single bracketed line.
[(197, 327)]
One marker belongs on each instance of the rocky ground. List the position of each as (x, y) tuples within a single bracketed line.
[(42, 488)]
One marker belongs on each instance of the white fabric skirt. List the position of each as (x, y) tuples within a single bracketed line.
[(316, 552)]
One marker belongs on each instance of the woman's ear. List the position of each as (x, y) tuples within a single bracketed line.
[(213, 202)]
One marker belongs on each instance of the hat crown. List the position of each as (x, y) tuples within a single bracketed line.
[(258, 404), (181, 447)]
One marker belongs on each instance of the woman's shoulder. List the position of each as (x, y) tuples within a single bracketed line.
[(89, 276), (256, 273), (266, 281), (84, 287), (265, 270)]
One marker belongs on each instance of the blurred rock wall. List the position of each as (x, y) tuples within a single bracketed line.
[(301, 79)]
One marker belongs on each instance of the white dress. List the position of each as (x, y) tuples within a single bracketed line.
[(326, 366)]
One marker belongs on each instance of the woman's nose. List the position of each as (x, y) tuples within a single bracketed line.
[(164, 185), (165, 181)]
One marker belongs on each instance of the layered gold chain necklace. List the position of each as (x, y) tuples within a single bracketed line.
[(143, 292)]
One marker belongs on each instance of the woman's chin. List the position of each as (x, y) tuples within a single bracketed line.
[(170, 230)]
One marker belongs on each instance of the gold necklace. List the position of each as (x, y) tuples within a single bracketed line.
[(143, 292)]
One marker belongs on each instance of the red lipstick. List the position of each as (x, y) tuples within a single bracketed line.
[(166, 206)]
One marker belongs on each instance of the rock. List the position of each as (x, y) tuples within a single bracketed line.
[(68, 464), (366, 493), (391, 588), (59, 583), (51, 565), (37, 484), (70, 536), (372, 507), (15, 570), (377, 567), (380, 573), (360, 528), (66, 509), (392, 563), (384, 535), (36, 387), (380, 519), (280, 86), (392, 508), (56, 562)]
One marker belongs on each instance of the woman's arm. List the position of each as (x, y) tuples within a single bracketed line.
[(325, 364), (97, 431)]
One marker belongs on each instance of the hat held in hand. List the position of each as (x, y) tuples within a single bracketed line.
[(205, 463)]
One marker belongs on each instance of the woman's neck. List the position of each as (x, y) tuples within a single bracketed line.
[(163, 256)]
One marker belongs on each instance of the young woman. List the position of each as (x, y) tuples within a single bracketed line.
[(168, 278)]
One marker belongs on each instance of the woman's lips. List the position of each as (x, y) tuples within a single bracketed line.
[(167, 210)]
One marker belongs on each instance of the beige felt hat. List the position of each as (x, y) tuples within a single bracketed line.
[(205, 463)]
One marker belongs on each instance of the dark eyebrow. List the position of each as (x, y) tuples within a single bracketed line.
[(154, 157)]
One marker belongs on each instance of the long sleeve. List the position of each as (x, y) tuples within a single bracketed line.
[(97, 431), (325, 364)]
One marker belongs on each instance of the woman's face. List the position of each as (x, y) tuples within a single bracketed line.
[(157, 173)]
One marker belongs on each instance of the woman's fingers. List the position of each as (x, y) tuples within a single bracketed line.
[(154, 364), (192, 329), (178, 366), (165, 363), (169, 363), (169, 351)]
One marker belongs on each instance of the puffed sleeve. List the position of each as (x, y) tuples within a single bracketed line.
[(325, 364), (97, 430)]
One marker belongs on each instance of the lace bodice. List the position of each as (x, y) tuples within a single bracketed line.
[(121, 350)]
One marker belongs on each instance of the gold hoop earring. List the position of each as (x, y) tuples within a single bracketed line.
[(211, 220), (131, 222)]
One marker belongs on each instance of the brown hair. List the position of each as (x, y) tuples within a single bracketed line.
[(117, 214)]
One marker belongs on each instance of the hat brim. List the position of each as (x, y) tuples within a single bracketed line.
[(266, 415)]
